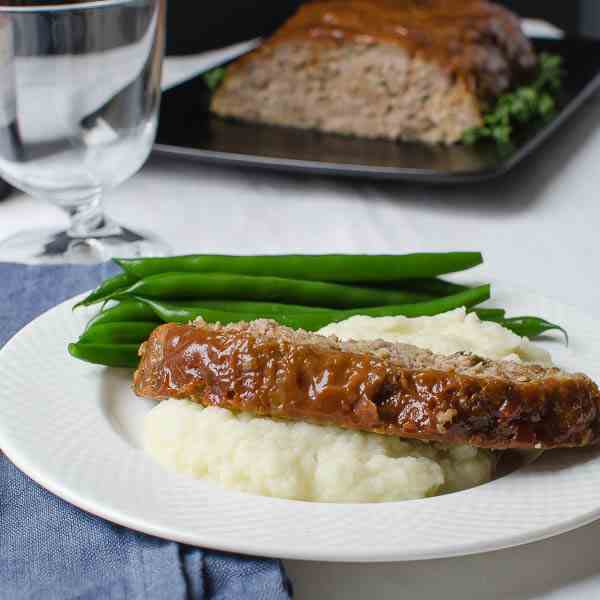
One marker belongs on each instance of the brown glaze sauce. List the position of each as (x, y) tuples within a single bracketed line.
[(271, 377), (475, 40)]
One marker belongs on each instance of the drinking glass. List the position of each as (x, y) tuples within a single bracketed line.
[(79, 100)]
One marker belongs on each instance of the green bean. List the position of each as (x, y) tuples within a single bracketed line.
[(217, 286), (268, 308), (177, 313), (531, 327), (489, 314), (343, 268), (436, 287), (243, 306), (110, 355), (107, 288), (312, 321), (128, 310), (469, 298), (119, 332), (340, 268)]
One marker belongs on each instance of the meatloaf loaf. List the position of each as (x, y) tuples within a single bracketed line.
[(270, 370), (396, 69)]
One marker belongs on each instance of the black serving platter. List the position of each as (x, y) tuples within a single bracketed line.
[(188, 129)]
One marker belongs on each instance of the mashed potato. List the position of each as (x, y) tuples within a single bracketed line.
[(305, 462), (450, 332), (328, 464)]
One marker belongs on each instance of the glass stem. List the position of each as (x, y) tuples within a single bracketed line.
[(88, 219)]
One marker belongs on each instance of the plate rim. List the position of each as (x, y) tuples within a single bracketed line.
[(285, 553)]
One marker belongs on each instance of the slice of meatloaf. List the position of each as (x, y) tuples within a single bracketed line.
[(395, 389), (395, 69)]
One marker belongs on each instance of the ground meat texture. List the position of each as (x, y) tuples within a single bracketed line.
[(396, 69), (394, 389)]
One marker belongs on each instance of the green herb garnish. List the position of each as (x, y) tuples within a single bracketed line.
[(526, 104), (214, 77)]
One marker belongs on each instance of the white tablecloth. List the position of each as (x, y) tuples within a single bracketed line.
[(538, 228)]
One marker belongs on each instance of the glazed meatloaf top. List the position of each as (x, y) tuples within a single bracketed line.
[(476, 40), (394, 389)]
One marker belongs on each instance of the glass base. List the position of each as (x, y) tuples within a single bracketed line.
[(44, 246)]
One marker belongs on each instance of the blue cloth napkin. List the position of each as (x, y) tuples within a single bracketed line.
[(51, 550)]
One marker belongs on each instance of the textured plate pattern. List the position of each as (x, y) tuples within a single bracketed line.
[(75, 429)]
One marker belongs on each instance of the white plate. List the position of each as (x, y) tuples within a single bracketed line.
[(75, 429)]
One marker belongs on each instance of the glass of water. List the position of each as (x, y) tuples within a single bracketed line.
[(79, 100)]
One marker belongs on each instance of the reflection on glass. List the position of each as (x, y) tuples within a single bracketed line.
[(79, 98)]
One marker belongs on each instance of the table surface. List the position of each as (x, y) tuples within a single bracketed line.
[(537, 227)]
